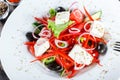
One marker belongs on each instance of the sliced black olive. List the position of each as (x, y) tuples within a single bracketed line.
[(60, 9), (89, 42), (30, 36), (54, 66), (102, 48)]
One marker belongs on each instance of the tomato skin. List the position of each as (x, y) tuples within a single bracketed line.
[(77, 16)]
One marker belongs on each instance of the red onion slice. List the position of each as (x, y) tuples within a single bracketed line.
[(73, 5), (60, 41), (74, 30), (33, 33), (92, 37), (89, 22), (45, 33)]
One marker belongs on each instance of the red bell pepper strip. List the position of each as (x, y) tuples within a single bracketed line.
[(95, 54), (65, 49), (86, 42), (88, 14), (100, 40), (97, 61), (67, 63), (41, 20), (31, 49), (60, 62), (46, 55), (30, 43), (74, 72), (68, 35), (45, 18), (65, 56), (52, 45)]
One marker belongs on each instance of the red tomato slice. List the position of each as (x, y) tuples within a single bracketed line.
[(77, 16)]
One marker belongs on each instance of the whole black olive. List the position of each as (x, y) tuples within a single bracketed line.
[(30, 36), (54, 66), (60, 9), (101, 48)]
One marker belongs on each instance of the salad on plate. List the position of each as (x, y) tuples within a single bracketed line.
[(67, 40)]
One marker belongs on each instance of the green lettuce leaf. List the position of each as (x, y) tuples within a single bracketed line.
[(57, 29)]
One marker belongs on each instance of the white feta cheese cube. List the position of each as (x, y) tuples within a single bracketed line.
[(80, 55), (41, 46), (97, 29), (62, 17)]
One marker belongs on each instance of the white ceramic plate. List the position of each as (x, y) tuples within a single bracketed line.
[(16, 59)]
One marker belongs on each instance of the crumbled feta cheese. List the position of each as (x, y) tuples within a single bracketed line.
[(80, 55), (41, 46), (62, 17), (97, 29)]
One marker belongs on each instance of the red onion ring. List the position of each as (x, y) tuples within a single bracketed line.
[(74, 30), (45, 33), (81, 44), (76, 2), (34, 34), (35, 30), (89, 22), (60, 41)]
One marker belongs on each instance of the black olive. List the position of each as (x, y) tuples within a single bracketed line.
[(54, 66), (60, 70), (60, 9), (101, 48), (89, 42), (30, 36), (39, 28)]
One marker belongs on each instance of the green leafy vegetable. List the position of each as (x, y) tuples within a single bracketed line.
[(52, 12), (35, 24), (57, 29)]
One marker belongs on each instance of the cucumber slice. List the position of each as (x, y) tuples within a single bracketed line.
[(48, 60), (95, 16)]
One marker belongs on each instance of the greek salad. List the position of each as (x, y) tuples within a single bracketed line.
[(67, 40)]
